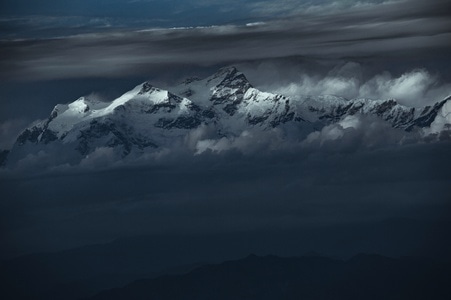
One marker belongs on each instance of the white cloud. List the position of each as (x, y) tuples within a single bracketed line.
[(307, 85), (414, 88), (203, 132), (350, 122), (357, 132), (411, 88), (100, 157)]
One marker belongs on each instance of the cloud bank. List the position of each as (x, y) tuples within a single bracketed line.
[(414, 88), (327, 182)]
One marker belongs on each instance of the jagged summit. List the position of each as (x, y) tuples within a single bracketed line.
[(223, 73), (228, 77), (148, 117)]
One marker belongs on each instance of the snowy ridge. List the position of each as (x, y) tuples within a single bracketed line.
[(148, 118)]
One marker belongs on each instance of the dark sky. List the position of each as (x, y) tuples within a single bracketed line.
[(55, 51), (396, 29)]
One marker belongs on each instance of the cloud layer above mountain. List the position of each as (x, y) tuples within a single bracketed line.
[(388, 29)]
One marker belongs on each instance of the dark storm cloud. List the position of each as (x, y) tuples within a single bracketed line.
[(401, 29)]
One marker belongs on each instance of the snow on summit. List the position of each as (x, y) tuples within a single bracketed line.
[(222, 106)]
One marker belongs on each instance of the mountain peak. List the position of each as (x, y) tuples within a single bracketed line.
[(226, 72), (229, 77), (148, 117), (146, 87)]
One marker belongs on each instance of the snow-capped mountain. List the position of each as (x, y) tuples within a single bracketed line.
[(149, 118)]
